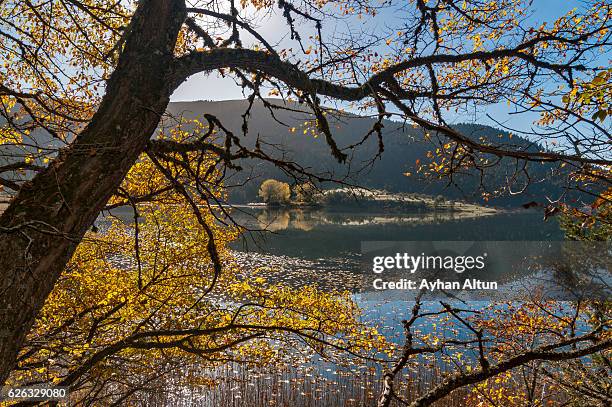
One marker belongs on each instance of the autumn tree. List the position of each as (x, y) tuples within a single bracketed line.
[(533, 349), (593, 224), (85, 84), (274, 192), (307, 193), (142, 307), (514, 353)]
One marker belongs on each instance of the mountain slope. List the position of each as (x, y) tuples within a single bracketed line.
[(403, 146)]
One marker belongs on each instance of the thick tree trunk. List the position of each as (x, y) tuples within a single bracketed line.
[(43, 225)]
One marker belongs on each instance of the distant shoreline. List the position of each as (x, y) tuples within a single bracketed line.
[(458, 207), (377, 200)]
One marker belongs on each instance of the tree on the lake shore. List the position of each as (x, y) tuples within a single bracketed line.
[(273, 192), (307, 193), (592, 225), (149, 315), (85, 84)]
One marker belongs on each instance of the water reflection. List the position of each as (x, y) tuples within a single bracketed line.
[(306, 219), (315, 234)]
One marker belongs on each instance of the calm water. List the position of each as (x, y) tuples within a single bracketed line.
[(319, 234), (303, 247), (323, 247)]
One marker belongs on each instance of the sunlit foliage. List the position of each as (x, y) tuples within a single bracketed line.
[(141, 298), (158, 291)]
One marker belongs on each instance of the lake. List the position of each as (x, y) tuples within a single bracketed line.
[(323, 247)]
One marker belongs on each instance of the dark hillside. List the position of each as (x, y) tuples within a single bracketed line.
[(403, 146)]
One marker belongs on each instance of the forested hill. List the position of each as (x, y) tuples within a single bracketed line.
[(403, 145)]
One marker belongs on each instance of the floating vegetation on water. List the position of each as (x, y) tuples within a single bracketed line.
[(329, 273)]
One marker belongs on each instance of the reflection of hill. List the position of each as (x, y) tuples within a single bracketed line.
[(276, 219), (328, 235)]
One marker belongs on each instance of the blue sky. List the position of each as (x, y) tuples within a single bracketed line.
[(214, 87)]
